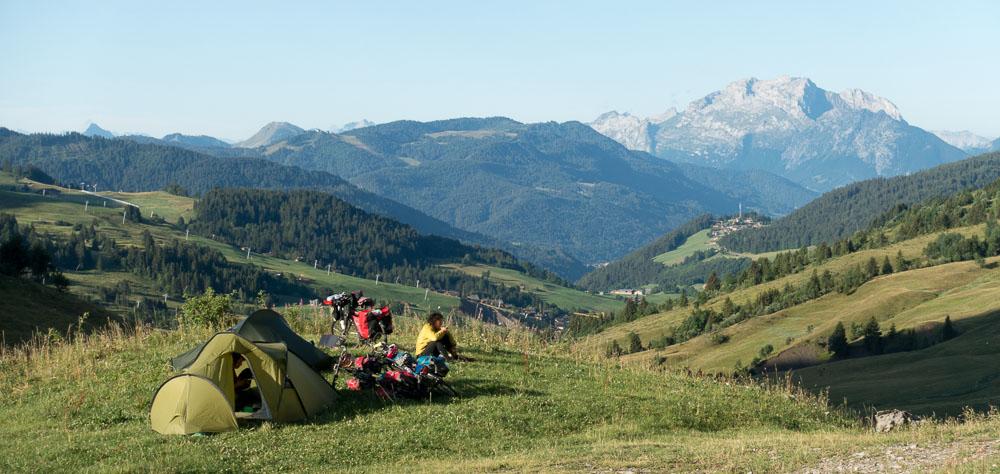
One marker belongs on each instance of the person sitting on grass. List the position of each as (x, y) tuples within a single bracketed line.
[(435, 340), (245, 395)]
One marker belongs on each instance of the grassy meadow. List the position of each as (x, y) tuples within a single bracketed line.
[(81, 404)]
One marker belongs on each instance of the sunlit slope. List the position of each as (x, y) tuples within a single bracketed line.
[(655, 326), (909, 299)]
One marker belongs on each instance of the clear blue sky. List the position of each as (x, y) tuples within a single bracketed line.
[(226, 68)]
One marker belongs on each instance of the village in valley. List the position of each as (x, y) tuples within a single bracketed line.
[(717, 231)]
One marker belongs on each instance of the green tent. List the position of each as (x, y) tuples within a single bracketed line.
[(202, 398), (268, 326)]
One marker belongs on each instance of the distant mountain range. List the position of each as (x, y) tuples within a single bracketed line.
[(129, 163), (562, 187), (93, 130), (967, 141), (787, 126), (271, 133)]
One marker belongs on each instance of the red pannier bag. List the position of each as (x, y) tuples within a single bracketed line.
[(373, 323)]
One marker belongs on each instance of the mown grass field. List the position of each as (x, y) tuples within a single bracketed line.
[(700, 242), (82, 405), (165, 205), (695, 243), (561, 296)]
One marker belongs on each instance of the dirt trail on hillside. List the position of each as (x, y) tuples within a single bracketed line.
[(910, 458)]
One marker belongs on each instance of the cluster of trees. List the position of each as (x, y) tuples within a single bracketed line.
[(845, 210), (705, 319), (874, 341), (24, 254), (953, 247), (175, 267), (583, 325), (312, 226), (26, 171), (970, 207), (613, 349)]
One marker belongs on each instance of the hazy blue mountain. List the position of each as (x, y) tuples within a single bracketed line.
[(790, 127), (757, 190), (549, 185), (271, 133), (194, 141), (965, 140), (94, 130), (352, 126)]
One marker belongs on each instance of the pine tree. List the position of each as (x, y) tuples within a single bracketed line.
[(886, 266), (948, 330), (837, 342), (901, 264), (873, 336), (871, 268), (634, 343)]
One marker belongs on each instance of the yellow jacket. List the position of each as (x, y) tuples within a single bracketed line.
[(428, 335)]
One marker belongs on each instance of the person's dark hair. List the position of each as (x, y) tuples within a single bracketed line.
[(435, 316)]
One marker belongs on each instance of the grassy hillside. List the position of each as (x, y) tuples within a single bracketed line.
[(561, 296), (58, 213), (82, 406), (30, 308), (656, 325), (60, 209), (907, 299), (940, 379), (695, 243)]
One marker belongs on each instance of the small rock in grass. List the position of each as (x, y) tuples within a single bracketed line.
[(888, 420)]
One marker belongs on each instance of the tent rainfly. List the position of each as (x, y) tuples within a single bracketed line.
[(202, 398), (266, 325)]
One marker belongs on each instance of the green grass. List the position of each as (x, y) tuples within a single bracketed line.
[(655, 326), (906, 299), (82, 405), (561, 296), (695, 243), (165, 205)]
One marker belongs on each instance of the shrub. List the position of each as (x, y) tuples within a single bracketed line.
[(208, 309)]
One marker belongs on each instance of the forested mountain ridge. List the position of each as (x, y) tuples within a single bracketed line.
[(124, 164), (314, 226), (854, 207), (887, 300), (638, 268), (553, 185)]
